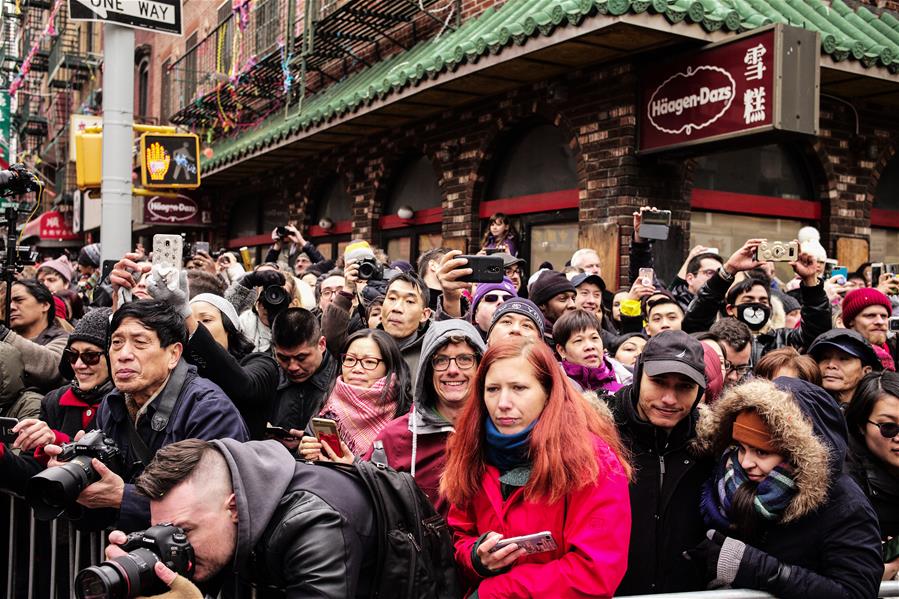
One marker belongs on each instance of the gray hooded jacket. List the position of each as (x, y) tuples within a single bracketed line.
[(15, 400)]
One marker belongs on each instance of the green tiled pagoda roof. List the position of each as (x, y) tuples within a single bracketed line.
[(846, 34)]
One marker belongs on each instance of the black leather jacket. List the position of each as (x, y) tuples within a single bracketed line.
[(816, 317)]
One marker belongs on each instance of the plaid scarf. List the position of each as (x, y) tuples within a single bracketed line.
[(361, 413), (772, 496)]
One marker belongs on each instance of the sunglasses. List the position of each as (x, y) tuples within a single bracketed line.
[(492, 298), (90, 358), (888, 430)]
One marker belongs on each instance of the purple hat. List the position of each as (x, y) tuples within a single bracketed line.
[(485, 288), (60, 265)]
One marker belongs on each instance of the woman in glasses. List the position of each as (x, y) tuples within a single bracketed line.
[(66, 410), (372, 389), (873, 420)]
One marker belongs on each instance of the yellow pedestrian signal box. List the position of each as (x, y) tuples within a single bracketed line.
[(88, 160), (170, 160)]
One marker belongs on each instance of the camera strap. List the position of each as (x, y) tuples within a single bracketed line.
[(138, 446)]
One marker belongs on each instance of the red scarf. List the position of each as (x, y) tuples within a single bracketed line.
[(883, 354), (360, 413)]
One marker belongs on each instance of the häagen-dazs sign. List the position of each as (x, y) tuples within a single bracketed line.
[(741, 87), (180, 209)]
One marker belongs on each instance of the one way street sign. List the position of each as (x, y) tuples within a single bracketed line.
[(156, 15)]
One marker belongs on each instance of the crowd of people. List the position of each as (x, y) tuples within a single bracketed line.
[(728, 429)]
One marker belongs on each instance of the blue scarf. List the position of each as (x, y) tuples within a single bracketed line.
[(507, 451), (772, 497)]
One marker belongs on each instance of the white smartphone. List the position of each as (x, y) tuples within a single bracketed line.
[(538, 542), (167, 251)]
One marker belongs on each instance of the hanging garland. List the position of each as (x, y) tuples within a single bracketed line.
[(49, 31)]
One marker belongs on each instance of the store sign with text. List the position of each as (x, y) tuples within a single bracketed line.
[(765, 80), (180, 210)]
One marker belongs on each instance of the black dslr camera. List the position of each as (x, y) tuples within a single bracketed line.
[(133, 575), (18, 180), (55, 489), (369, 268), (275, 299)]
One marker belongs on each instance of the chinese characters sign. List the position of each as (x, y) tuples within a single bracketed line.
[(728, 90)]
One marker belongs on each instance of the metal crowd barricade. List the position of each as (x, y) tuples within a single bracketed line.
[(34, 570)]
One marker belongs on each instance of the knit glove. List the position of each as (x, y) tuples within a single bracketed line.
[(3, 331), (169, 285), (720, 556), (262, 278)]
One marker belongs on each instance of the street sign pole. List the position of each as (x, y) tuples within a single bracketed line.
[(118, 119)]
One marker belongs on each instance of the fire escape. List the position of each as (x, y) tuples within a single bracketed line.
[(30, 122), (283, 50)]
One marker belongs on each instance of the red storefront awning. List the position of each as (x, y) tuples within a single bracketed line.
[(50, 226)]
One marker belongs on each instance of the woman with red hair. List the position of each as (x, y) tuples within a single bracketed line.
[(530, 455)]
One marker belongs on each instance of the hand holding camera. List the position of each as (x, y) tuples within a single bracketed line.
[(262, 278), (744, 258), (32, 434), (145, 563), (170, 286)]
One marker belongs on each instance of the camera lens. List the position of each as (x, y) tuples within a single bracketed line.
[(52, 490), (130, 575)]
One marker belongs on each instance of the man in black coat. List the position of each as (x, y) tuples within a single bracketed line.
[(291, 529), (656, 416)]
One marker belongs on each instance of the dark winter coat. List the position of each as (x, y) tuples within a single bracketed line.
[(296, 403), (250, 382), (303, 529), (665, 517), (189, 407), (826, 543), (816, 317)]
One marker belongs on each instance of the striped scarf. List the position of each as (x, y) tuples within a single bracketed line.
[(772, 497), (361, 413)]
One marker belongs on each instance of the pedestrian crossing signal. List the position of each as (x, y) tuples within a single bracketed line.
[(170, 160)]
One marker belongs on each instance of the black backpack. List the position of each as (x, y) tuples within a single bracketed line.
[(415, 547)]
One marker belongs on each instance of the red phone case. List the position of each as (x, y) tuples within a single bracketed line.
[(333, 442)]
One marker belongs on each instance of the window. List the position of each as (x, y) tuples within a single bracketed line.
[(330, 200), (165, 102), (885, 215), (535, 179), (225, 20), (266, 25), (189, 75), (143, 87), (415, 187), (764, 191)]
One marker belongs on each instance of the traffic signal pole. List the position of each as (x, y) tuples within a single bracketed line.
[(118, 120)]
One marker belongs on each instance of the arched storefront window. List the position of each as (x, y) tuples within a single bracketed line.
[(414, 190), (535, 181), (885, 215), (331, 206), (763, 191)]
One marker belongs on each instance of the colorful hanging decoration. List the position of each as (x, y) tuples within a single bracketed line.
[(241, 9), (286, 55), (49, 30)]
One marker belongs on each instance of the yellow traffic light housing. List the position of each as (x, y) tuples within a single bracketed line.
[(88, 160)]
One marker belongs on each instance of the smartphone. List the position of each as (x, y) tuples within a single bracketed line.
[(278, 433), (894, 323), (876, 273), (891, 550), (829, 265), (647, 276), (536, 543), (325, 431), (6, 434), (167, 251), (484, 269), (108, 265), (491, 251), (654, 224), (200, 246)]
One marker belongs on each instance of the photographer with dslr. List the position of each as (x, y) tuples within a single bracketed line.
[(291, 529), (290, 249), (749, 302), (159, 399), (258, 297)]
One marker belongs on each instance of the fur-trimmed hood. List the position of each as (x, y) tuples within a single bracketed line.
[(804, 421)]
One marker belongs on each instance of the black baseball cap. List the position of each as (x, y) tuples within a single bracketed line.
[(674, 352), (585, 277), (848, 341)]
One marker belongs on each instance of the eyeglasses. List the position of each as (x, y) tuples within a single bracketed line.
[(888, 430), (367, 363), (492, 298), (513, 270), (90, 358), (739, 369), (463, 361), (328, 292)]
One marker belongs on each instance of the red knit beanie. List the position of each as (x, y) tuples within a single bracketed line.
[(859, 299)]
